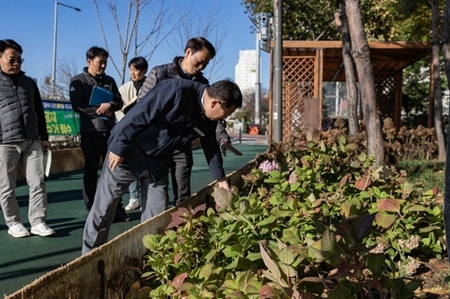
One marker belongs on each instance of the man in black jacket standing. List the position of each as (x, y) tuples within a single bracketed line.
[(23, 137), (96, 121), (171, 115)]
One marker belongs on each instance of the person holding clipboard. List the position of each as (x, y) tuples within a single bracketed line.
[(95, 96)]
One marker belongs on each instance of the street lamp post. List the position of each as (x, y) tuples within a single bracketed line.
[(262, 34), (278, 71), (55, 28), (258, 78)]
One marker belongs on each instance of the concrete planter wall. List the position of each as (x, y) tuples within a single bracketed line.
[(72, 159), (66, 160), (63, 160)]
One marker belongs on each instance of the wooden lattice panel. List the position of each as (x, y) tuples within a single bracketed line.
[(298, 84), (385, 90)]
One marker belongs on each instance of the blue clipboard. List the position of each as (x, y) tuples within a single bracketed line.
[(100, 95)]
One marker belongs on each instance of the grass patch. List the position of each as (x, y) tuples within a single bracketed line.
[(428, 173)]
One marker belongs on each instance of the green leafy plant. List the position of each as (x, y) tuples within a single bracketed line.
[(314, 219)]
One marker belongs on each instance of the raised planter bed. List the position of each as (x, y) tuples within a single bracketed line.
[(71, 159), (63, 160), (86, 277)]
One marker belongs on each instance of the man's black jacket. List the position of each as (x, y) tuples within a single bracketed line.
[(174, 70), (166, 118), (80, 93)]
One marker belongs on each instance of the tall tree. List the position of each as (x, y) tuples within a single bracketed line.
[(361, 56), (313, 20), (158, 17), (446, 50), (437, 81), (349, 66), (302, 19), (446, 41), (413, 19)]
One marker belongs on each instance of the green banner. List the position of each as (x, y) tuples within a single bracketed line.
[(60, 118)]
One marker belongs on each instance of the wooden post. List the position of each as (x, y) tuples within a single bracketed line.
[(318, 74), (398, 101)]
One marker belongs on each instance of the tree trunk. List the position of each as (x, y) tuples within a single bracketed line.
[(349, 66), (446, 41), (446, 50), (361, 56), (437, 81)]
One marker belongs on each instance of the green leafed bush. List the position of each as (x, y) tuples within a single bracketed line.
[(315, 219)]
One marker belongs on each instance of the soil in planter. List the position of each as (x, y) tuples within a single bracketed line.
[(433, 273)]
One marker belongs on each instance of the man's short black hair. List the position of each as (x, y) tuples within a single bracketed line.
[(10, 43), (139, 63), (96, 52), (226, 92), (198, 43)]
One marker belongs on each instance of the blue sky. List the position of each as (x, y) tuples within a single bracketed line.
[(31, 23)]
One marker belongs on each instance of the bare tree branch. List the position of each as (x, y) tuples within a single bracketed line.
[(67, 68), (100, 23), (164, 17), (129, 36), (211, 25)]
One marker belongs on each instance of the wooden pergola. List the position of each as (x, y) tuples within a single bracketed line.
[(307, 64)]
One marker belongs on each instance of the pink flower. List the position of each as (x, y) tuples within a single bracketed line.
[(267, 166)]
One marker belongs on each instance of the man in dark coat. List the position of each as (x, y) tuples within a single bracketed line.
[(96, 121), (172, 114)]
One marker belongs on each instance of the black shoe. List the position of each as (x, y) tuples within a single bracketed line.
[(121, 215)]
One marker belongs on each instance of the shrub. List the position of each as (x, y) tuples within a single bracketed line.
[(314, 219)]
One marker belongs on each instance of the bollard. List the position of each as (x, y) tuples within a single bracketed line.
[(240, 135)]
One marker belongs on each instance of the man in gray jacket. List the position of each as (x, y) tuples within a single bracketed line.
[(23, 137), (197, 54)]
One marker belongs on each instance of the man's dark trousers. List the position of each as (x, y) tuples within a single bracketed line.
[(94, 147), (112, 186), (180, 170)]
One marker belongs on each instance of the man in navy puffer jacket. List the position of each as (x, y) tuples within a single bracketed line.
[(23, 137)]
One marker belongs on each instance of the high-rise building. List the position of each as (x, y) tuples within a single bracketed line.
[(245, 71)]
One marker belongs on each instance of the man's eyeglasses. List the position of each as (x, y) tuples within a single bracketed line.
[(12, 61), (227, 113)]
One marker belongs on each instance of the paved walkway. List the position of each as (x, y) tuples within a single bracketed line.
[(24, 260)]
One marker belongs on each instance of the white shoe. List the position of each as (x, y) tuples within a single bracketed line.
[(18, 231), (133, 204), (42, 230)]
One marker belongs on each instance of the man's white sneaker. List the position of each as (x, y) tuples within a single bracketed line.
[(133, 204), (18, 231), (42, 230)]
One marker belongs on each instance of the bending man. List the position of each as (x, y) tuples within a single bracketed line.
[(140, 145)]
